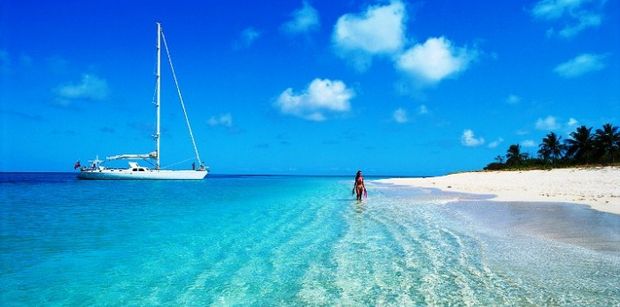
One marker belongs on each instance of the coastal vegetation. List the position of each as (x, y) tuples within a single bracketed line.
[(583, 147)]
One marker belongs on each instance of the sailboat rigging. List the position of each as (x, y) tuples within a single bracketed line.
[(97, 170)]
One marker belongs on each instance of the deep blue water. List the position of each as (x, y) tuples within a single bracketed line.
[(267, 240)]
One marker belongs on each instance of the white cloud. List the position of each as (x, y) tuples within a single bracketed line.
[(435, 60), (247, 37), (573, 15), (580, 65), (400, 116), (422, 109), (521, 132), (90, 87), (584, 21), (528, 143), (220, 120), (513, 99), (496, 143), (320, 96), (554, 9), (572, 122), (303, 20), (379, 30), (469, 139), (547, 123)]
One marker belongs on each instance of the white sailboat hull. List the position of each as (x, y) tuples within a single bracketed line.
[(149, 174)]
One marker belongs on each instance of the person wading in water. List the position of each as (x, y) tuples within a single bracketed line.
[(358, 186)]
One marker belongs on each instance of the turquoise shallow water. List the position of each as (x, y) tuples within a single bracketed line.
[(293, 241)]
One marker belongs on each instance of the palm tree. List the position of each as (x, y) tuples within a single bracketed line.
[(551, 147), (607, 142), (580, 146), (514, 155), (499, 159)]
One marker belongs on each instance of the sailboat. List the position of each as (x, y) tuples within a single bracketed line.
[(97, 169)]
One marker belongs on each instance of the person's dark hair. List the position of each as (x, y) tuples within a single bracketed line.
[(359, 173)]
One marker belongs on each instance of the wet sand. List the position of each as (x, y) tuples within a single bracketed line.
[(561, 222)]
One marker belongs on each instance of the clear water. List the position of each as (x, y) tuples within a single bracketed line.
[(293, 241)]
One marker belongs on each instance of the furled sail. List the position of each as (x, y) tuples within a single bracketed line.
[(151, 155)]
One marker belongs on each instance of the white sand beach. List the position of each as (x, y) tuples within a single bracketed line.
[(597, 187)]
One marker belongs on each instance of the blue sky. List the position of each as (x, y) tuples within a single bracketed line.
[(304, 87)]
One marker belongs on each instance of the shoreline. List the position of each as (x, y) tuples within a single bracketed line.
[(598, 187)]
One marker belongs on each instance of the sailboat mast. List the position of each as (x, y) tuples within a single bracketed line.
[(158, 94)]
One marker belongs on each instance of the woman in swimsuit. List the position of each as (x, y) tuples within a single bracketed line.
[(358, 186)]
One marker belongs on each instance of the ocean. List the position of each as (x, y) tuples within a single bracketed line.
[(292, 240)]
